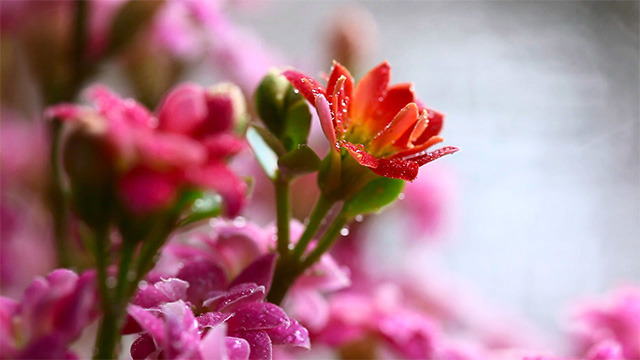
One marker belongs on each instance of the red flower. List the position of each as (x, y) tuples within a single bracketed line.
[(384, 128)]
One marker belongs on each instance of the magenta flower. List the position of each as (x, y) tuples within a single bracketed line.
[(615, 319), (165, 314), (52, 314), (155, 156)]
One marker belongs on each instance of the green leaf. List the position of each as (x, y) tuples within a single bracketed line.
[(374, 195), (297, 124), (266, 156), (204, 205), (129, 21), (299, 161)]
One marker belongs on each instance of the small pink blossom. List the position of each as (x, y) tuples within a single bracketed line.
[(186, 144), (51, 315)]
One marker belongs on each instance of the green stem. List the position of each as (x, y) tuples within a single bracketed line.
[(79, 47), (315, 220), (107, 338), (126, 255), (283, 210), (59, 202), (327, 239), (287, 270)]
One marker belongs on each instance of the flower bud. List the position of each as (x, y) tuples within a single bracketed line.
[(86, 155), (231, 94)]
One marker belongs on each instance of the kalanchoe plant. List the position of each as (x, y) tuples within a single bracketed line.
[(379, 136)]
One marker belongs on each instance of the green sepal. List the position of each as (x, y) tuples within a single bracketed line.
[(283, 111), (297, 123), (199, 205), (300, 161), (267, 157), (130, 20), (329, 174), (374, 195)]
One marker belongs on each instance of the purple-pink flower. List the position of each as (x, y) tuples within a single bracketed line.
[(51, 315)]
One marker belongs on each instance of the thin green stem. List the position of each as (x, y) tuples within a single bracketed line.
[(108, 330), (59, 201), (126, 255), (327, 239), (283, 211), (315, 220)]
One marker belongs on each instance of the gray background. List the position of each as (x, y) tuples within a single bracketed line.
[(542, 98)]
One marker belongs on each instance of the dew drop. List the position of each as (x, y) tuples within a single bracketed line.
[(401, 196), (344, 231), (111, 282), (359, 218), (239, 221), (296, 91), (290, 246)]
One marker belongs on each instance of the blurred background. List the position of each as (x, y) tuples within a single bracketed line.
[(541, 205), (543, 100)]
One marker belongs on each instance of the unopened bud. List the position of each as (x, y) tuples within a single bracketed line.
[(238, 103)]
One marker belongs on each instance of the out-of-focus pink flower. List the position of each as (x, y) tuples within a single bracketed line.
[(615, 318), (34, 15), (428, 203), (186, 144), (381, 321), (52, 314)]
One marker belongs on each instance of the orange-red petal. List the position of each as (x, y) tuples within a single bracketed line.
[(436, 120), (396, 98), (336, 73), (308, 87), (397, 169), (430, 156), (403, 121), (369, 93), (358, 152)]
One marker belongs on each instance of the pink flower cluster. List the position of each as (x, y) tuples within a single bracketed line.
[(209, 289), (52, 314), (185, 144)]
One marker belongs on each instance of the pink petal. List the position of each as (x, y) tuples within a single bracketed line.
[(237, 348), (144, 190), (220, 114), (293, 334), (236, 296), (148, 322), (223, 145), (183, 110), (203, 276), (259, 343), (164, 291), (213, 344), (142, 347), (326, 119), (257, 316), (259, 272)]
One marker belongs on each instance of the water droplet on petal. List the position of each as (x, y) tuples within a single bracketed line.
[(344, 231), (359, 218), (239, 221), (401, 196)]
